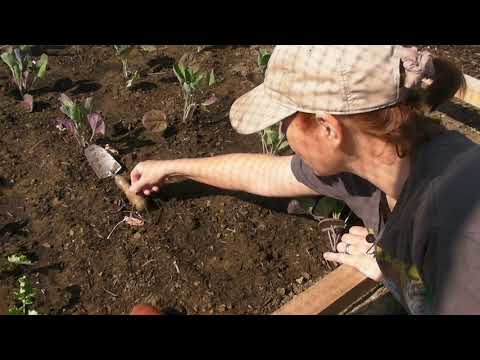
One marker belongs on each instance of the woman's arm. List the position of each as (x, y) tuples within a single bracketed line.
[(253, 173)]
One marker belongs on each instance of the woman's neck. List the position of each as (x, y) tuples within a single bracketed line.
[(386, 171)]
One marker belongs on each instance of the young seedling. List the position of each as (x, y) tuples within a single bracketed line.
[(123, 51), (19, 259), (327, 211), (81, 120), (318, 208), (262, 60), (273, 140), (193, 84), (25, 295), (25, 70)]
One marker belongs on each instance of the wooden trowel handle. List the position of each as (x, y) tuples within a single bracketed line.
[(136, 200)]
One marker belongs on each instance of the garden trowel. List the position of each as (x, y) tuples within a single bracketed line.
[(105, 165)]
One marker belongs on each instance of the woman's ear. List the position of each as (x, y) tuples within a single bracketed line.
[(330, 128)]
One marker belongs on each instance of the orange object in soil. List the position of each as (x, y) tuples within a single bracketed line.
[(143, 309)]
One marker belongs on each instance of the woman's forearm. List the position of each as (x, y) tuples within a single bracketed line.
[(254, 173)]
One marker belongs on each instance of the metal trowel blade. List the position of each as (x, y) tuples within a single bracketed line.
[(102, 163)]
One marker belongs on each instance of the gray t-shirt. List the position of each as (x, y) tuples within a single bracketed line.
[(429, 247)]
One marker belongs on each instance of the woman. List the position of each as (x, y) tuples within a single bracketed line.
[(354, 116)]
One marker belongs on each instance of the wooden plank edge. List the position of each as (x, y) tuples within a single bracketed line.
[(330, 295), (472, 92)]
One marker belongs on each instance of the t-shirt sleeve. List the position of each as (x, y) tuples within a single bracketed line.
[(340, 186)]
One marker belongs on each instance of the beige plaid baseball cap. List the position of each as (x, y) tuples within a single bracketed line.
[(338, 79)]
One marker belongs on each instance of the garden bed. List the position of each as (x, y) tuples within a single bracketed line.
[(201, 250)]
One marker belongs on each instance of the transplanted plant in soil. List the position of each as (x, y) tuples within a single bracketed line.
[(19, 259), (273, 140), (24, 297), (123, 52), (25, 70), (194, 84), (81, 121), (262, 59)]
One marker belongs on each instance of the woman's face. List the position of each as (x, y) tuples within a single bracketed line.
[(316, 141)]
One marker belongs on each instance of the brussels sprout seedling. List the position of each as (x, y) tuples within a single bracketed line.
[(25, 295), (262, 59), (273, 140), (193, 85), (25, 70), (123, 51), (19, 259), (80, 118)]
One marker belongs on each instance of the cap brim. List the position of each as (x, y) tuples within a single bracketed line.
[(256, 111)]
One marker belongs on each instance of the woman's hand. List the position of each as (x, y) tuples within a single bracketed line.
[(148, 176), (352, 250)]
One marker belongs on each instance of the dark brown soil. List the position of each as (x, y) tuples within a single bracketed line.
[(235, 253)]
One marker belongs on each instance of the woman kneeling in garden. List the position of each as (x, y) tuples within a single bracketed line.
[(354, 116)]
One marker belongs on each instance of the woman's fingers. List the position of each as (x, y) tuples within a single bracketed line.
[(342, 258), (358, 230), (353, 239), (353, 249), (367, 265), (137, 181)]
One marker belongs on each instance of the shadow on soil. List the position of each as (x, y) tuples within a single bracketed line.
[(160, 63), (66, 84), (187, 190), (462, 112)]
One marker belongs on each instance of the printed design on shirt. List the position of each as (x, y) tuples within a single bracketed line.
[(404, 281)]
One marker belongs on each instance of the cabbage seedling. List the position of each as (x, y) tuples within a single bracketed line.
[(25, 295), (318, 208), (193, 85), (123, 51), (262, 60), (80, 120), (25, 70), (19, 259), (273, 140)]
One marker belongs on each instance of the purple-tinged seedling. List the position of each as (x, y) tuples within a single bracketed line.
[(80, 120), (25, 70)]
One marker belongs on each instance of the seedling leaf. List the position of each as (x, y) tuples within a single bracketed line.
[(19, 259), (210, 101), (88, 104), (179, 71), (42, 64), (96, 124), (211, 79)]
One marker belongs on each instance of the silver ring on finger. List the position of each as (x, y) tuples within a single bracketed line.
[(346, 249)]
